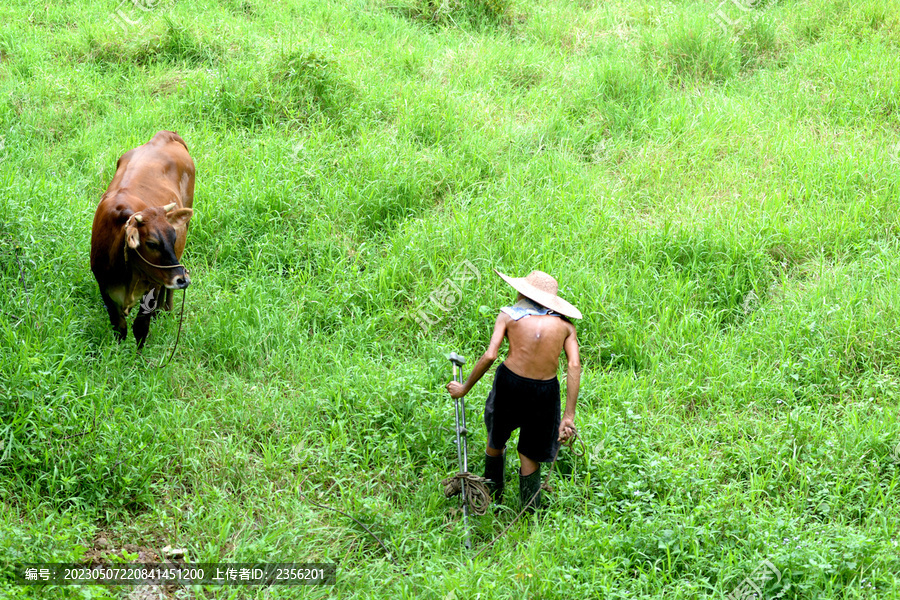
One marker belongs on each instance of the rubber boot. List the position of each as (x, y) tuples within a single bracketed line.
[(529, 485), (494, 469)]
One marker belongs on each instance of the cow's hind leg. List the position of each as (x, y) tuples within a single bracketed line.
[(116, 316)]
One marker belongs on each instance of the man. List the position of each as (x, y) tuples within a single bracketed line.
[(526, 391)]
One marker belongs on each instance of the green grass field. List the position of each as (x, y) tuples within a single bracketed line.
[(720, 196)]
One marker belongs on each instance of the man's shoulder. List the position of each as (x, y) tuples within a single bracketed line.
[(568, 325), (503, 320), (558, 323)]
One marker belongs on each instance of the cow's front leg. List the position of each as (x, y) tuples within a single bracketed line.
[(149, 306), (116, 316), (141, 328), (169, 301)]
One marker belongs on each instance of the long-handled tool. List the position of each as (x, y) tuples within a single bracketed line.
[(473, 489), (462, 450)]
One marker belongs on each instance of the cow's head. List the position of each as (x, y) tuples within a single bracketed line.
[(157, 234)]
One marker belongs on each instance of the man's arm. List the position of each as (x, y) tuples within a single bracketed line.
[(573, 383), (484, 363)]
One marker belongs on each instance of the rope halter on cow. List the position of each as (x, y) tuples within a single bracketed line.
[(160, 266), (130, 223), (139, 218)]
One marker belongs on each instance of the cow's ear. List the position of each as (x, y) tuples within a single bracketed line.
[(179, 217), (132, 236)]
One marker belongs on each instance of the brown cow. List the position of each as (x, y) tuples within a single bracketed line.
[(139, 232)]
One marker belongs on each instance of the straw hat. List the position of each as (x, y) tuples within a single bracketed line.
[(542, 288)]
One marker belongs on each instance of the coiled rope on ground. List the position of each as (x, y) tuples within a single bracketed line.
[(478, 496)]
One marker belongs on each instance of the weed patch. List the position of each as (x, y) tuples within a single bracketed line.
[(722, 275), (691, 51), (298, 89), (471, 13), (175, 45), (619, 100), (721, 206)]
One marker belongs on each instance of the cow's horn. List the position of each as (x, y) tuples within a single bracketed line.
[(169, 207), (139, 217)]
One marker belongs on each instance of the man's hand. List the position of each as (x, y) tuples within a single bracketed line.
[(456, 389), (566, 429)]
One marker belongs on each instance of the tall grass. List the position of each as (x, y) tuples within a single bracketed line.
[(720, 204)]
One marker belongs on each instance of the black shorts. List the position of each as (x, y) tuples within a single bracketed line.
[(530, 404)]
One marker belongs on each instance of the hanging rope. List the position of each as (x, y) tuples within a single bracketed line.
[(478, 496), (165, 363), (355, 520), (571, 445)]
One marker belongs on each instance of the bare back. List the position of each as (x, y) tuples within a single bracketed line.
[(535, 343)]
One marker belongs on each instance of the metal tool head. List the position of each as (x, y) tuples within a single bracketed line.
[(456, 359)]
